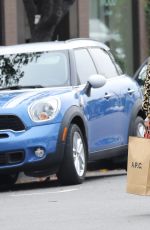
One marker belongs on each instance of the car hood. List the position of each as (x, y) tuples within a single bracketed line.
[(10, 99)]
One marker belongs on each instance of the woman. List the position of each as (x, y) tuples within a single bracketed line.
[(146, 101)]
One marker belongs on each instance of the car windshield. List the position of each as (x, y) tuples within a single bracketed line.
[(45, 69)]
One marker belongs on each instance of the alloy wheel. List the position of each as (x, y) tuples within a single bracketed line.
[(78, 154)]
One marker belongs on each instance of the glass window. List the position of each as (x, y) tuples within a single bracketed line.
[(142, 75), (103, 62), (40, 68), (111, 23), (84, 64)]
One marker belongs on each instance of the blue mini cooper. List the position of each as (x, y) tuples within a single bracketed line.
[(64, 105)]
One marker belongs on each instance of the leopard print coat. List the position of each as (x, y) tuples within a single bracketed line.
[(146, 101)]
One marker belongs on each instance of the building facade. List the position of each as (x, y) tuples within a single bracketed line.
[(119, 24)]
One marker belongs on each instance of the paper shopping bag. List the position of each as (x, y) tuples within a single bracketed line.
[(138, 170)]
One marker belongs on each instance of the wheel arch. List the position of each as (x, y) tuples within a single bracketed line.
[(79, 121), (73, 115), (136, 111)]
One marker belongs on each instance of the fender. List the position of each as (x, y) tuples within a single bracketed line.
[(70, 114), (137, 109)]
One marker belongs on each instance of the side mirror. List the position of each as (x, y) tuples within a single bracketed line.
[(94, 81), (97, 81)]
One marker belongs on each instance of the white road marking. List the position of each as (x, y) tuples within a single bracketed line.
[(43, 193)]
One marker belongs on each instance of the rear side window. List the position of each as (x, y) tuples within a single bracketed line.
[(84, 64), (103, 62)]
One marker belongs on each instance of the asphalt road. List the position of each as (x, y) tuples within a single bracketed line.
[(100, 203)]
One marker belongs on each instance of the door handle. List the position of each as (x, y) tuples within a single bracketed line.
[(107, 95), (131, 91)]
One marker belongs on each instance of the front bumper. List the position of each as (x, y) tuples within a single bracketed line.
[(25, 143)]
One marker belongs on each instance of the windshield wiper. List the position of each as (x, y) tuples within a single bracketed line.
[(22, 87)]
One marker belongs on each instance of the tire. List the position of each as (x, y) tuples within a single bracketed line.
[(8, 180), (139, 127), (74, 165)]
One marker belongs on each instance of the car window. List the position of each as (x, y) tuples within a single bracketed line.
[(118, 67), (84, 64), (38, 68), (103, 62), (142, 75)]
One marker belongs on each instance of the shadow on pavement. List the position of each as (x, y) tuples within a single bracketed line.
[(32, 185), (107, 174), (35, 185), (50, 183)]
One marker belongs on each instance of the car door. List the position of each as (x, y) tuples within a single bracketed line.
[(101, 107), (123, 87)]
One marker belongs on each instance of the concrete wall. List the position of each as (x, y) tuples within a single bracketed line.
[(10, 22), (83, 18), (143, 40)]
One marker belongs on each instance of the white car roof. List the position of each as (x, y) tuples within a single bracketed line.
[(51, 46)]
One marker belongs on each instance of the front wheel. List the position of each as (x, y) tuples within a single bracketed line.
[(73, 168)]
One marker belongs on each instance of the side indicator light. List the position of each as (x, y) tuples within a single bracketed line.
[(64, 135)]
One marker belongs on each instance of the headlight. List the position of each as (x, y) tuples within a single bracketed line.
[(44, 110)]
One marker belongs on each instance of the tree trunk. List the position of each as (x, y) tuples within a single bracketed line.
[(51, 13), (31, 11)]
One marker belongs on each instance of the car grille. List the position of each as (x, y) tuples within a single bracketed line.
[(11, 122), (11, 158)]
